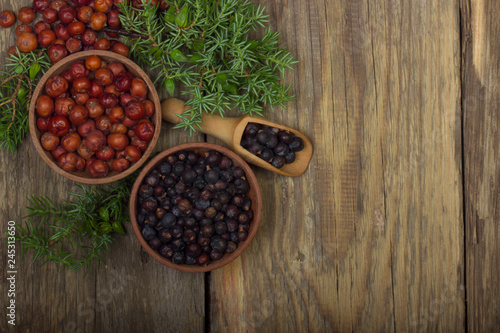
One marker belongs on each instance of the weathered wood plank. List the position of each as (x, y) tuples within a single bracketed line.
[(370, 238), (131, 293), (422, 161), (480, 100)]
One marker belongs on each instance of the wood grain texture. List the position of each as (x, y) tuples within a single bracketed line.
[(371, 237), (480, 100)]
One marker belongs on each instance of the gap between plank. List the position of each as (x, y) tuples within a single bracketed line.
[(464, 40), (207, 302)]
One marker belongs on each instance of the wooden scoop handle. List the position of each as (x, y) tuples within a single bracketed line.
[(215, 125)]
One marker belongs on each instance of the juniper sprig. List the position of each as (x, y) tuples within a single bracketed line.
[(205, 46)]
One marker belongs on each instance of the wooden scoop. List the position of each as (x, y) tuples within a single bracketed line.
[(230, 130)]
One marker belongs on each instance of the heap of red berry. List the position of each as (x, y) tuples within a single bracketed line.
[(95, 116), (66, 27)]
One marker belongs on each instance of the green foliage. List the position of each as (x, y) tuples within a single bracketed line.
[(75, 233), (16, 86), (204, 45)]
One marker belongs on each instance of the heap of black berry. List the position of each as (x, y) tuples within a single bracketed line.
[(193, 208), (275, 146)]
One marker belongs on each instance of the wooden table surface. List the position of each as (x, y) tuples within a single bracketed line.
[(393, 227)]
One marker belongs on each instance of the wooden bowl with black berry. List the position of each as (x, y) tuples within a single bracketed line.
[(95, 117), (196, 207)]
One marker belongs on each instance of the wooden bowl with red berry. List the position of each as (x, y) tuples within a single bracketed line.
[(95, 117)]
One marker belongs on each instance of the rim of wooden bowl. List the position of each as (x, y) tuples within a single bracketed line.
[(84, 176), (254, 194)]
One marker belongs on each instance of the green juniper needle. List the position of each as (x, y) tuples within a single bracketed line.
[(204, 45), (75, 233), (16, 86)]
